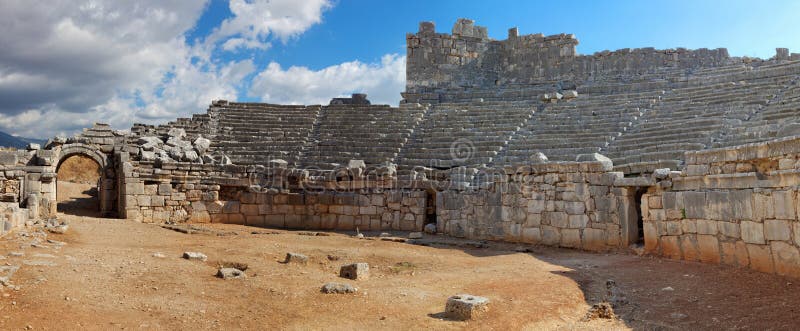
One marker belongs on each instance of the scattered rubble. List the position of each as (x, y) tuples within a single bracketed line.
[(230, 273), (338, 288), (195, 256), (296, 258)]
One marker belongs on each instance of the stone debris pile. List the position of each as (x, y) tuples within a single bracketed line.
[(174, 148)]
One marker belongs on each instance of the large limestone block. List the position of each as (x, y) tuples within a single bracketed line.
[(784, 205), (670, 247), (761, 258), (608, 165), (735, 253), (786, 258), (689, 247), (752, 232), (709, 248), (571, 238), (777, 230), (651, 237), (531, 235), (695, 204), (594, 239)]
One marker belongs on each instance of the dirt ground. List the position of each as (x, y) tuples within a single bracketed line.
[(117, 274)]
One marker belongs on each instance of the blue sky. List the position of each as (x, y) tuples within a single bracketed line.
[(366, 30), (72, 62)]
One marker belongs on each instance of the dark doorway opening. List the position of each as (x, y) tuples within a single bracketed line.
[(78, 186), (639, 240), (430, 207)]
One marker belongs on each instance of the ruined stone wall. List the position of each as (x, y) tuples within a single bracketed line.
[(566, 204), (468, 58), (371, 210), (734, 205), (202, 193)]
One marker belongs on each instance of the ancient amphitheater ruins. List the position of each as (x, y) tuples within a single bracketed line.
[(687, 154)]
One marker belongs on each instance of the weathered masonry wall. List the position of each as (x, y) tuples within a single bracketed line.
[(202, 193), (469, 58), (567, 204), (386, 210), (736, 206)]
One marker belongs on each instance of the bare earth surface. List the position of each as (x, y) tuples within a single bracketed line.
[(106, 276)]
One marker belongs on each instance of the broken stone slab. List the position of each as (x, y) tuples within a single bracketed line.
[(538, 157), (191, 156), (296, 258), (202, 144), (465, 307), (176, 132), (34, 146), (338, 288), (278, 164), (596, 157), (430, 228), (195, 256), (59, 229), (415, 235), (661, 173), (230, 273), (571, 94), (355, 271)]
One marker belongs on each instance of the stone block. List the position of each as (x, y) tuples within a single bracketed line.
[(706, 227), (531, 235), (574, 208), (594, 239), (760, 258), (231, 207), (345, 222), (670, 247), (654, 202), (784, 205), (143, 200), (695, 204), (650, 237), (777, 230), (735, 253), (464, 307), (763, 207), (550, 235), (570, 238), (728, 229), (274, 221), (296, 258), (165, 189), (249, 209), (689, 247), (578, 221), (786, 259), (752, 232), (157, 201), (557, 219), (355, 271), (708, 246)]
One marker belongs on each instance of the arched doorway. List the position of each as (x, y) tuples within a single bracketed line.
[(78, 181)]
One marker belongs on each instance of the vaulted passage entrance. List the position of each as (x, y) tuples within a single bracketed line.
[(78, 186)]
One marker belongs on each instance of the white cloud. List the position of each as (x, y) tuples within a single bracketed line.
[(382, 81), (64, 64), (255, 21)]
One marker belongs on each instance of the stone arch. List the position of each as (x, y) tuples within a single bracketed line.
[(68, 150), (107, 190)]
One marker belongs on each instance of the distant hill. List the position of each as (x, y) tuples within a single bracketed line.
[(7, 140)]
